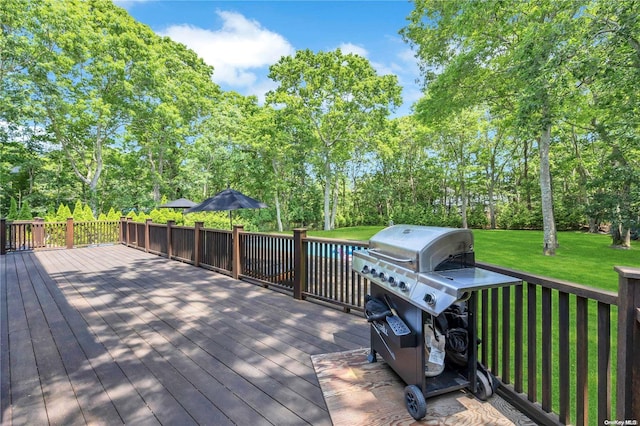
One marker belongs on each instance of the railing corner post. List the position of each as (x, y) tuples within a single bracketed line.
[(3, 236), (170, 224), (236, 264), (299, 263), (123, 229), (147, 222), (196, 242), (129, 220), (69, 235), (628, 374), (37, 230)]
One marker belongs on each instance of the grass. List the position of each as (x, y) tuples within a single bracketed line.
[(582, 258)]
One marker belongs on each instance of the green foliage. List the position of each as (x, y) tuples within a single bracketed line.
[(214, 220), (13, 210), (517, 216), (25, 211), (113, 215), (323, 147), (62, 214), (78, 211), (335, 99), (87, 213)]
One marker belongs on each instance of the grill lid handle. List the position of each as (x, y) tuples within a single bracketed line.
[(377, 253)]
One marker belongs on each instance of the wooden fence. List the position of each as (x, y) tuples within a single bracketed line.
[(564, 353)]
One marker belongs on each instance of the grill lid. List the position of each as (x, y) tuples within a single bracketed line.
[(421, 248)]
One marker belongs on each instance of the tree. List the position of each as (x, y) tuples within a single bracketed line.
[(13, 210), (25, 211), (177, 95), (609, 66), (508, 55), (339, 98)]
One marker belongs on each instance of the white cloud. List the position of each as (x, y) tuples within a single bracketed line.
[(237, 50), (347, 48)]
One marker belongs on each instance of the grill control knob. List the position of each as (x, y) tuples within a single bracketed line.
[(382, 277), (403, 286), (430, 298), (392, 281), (365, 269), (373, 271)]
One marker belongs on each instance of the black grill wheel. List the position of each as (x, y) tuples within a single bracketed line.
[(416, 404)]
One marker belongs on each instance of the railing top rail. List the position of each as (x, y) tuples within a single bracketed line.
[(581, 290), (222, 231), (269, 234), (75, 222)]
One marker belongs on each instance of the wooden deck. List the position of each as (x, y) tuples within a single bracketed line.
[(113, 335)]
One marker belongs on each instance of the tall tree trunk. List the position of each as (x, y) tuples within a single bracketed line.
[(492, 207), (334, 206), (463, 203), (278, 215), (327, 195), (525, 176), (277, 197), (548, 220)]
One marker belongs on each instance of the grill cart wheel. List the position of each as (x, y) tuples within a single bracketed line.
[(484, 389), (416, 404)]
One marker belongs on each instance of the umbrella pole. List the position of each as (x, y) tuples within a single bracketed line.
[(230, 222)]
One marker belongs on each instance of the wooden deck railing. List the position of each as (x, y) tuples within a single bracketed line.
[(564, 353), (38, 234)]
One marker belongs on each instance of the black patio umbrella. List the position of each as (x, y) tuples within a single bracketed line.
[(229, 199), (180, 203)]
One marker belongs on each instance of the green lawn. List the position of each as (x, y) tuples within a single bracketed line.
[(581, 258)]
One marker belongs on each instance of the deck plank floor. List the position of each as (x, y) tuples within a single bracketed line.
[(112, 335)]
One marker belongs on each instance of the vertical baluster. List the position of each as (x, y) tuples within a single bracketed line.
[(485, 327), (563, 367), (582, 361), (532, 343), (506, 334), (518, 346), (546, 349), (604, 362), (494, 330)]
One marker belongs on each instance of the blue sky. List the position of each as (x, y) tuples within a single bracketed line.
[(242, 38)]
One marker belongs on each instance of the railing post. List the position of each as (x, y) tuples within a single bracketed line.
[(235, 251), (128, 233), (123, 224), (37, 230), (170, 224), (147, 222), (69, 234), (196, 242), (3, 236), (299, 263), (628, 377)]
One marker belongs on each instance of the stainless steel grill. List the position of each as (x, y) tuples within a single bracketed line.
[(418, 274)]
